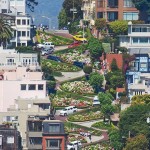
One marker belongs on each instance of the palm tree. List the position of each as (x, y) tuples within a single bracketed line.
[(5, 32)]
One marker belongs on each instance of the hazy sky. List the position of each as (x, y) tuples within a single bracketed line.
[(49, 8)]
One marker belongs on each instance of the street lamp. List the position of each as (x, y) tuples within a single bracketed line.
[(49, 19)]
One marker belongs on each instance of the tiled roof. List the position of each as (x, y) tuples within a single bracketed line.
[(120, 90)]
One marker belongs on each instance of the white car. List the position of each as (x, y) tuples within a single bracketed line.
[(68, 110), (47, 51), (96, 101), (75, 145), (46, 45)]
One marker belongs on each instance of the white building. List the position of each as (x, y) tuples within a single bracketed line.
[(4, 6), (138, 38)]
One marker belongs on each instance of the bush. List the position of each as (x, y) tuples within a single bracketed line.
[(87, 69)]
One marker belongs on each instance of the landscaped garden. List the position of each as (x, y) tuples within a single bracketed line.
[(86, 115), (59, 66), (76, 129), (80, 87), (48, 37), (80, 138)]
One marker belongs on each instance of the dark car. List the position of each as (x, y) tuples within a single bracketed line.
[(56, 58), (79, 64)]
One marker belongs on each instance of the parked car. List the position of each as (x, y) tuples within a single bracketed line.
[(47, 51), (79, 38), (46, 45), (75, 145), (56, 58), (68, 110), (96, 101), (79, 64), (74, 44)]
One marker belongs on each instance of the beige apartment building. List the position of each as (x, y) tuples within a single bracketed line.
[(116, 10)]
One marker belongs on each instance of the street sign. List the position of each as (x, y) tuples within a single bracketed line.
[(73, 9)]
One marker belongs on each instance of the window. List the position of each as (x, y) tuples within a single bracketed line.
[(136, 29), (4, 10), (28, 33), (40, 86), (23, 33), (23, 44), (128, 3), (35, 126), (100, 3), (143, 40), (35, 140), (135, 40), (32, 87), (10, 139), (99, 15), (23, 22), (10, 61), (19, 33), (54, 128), (18, 22), (23, 87), (53, 143), (112, 16), (28, 22), (130, 16), (112, 3)]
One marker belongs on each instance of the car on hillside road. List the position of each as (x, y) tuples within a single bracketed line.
[(68, 110), (74, 44), (80, 38), (46, 45), (45, 52)]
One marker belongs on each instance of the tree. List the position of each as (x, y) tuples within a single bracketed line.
[(31, 4), (5, 32), (95, 47), (140, 99), (68, 4), (133, 120), (119, 27), (62, 19), (139, 142), (100, 24), (144, 7), (96, 81), (115, 139), (87, 69), (114, 66)]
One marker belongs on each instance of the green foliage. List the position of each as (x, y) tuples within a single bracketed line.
[(114, 66), (95, 47), (124, 50), (119, 27), (115, 140), (100, 23), (25, 49), (115, 79), (139, 142), (68, 4), (5, 31), (96, 80), (140, 99), (51, 84), (62, 19), (87, 69), (133, 119)]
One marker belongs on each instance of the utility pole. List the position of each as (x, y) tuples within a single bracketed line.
[(73, 10)]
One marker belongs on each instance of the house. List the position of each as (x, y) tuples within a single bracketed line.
[(10, 138), (23, 109), (46, 134), (107, 59), (113, 10), (138, 39), (23, 82), (138, 76)]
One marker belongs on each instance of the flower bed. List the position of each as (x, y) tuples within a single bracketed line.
[(80, 87), (103, 125), (74, 128), (65, 101), (85, 116), (75, 56), (72, 137), (58, 66)]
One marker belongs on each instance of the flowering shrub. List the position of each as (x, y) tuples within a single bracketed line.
[(75, 56), (85, 116), (80, 87), (64, 101), (76, 138)]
